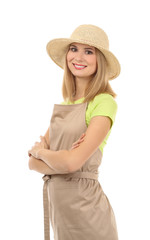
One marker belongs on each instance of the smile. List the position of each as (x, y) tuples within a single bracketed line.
[(78, 66)]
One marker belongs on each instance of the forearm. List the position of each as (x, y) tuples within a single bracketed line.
[(56, 160), (40, 166)]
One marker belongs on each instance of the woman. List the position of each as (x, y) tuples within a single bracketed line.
[(71, 150)]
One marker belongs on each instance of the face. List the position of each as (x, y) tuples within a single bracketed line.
[(81, 60)]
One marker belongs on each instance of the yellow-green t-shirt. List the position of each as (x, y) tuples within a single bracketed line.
[(102, 105)]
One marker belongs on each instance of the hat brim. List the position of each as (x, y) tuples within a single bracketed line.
[(57, 49)]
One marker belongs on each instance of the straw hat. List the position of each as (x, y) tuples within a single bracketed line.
[(85, 34)]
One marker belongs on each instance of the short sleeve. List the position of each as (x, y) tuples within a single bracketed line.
[(104, 105)]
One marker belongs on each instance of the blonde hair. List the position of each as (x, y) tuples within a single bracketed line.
[(99, 83)]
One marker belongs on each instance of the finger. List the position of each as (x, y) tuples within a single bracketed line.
[(41, 137), (75, 146), (79, 141), (43, 140), (74, 143), (82, 137)]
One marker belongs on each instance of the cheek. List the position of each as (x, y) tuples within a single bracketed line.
[(69, 57), (93, 62), (69, 60)]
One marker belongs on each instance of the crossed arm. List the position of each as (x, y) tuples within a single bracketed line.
[(66, 161), (39, 165)]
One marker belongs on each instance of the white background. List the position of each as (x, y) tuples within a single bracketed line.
[(30, 83)]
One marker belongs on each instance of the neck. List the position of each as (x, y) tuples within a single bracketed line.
[(81, 84)]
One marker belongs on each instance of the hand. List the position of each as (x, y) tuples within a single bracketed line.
[(77, 143), (38, 146)]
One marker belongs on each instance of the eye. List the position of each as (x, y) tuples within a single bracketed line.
[(73, 49), (88, 52)]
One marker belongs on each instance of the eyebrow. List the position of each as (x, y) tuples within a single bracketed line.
[(84, 48)]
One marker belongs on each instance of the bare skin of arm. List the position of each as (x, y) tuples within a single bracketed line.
[(40, 166)]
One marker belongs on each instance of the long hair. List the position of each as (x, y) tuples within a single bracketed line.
[(98, 84)]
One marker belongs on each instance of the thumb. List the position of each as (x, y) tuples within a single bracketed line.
[(83, 134)]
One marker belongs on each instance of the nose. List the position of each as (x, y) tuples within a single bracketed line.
[(79, 56)]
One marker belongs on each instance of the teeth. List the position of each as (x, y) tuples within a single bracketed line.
[(78, 66)]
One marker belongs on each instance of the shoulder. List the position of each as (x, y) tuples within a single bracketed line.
[(104, 98), (103, 104)]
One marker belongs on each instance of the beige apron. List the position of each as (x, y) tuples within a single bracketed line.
[(75, 202)]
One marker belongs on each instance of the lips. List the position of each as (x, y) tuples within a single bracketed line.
[(79, 66)]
